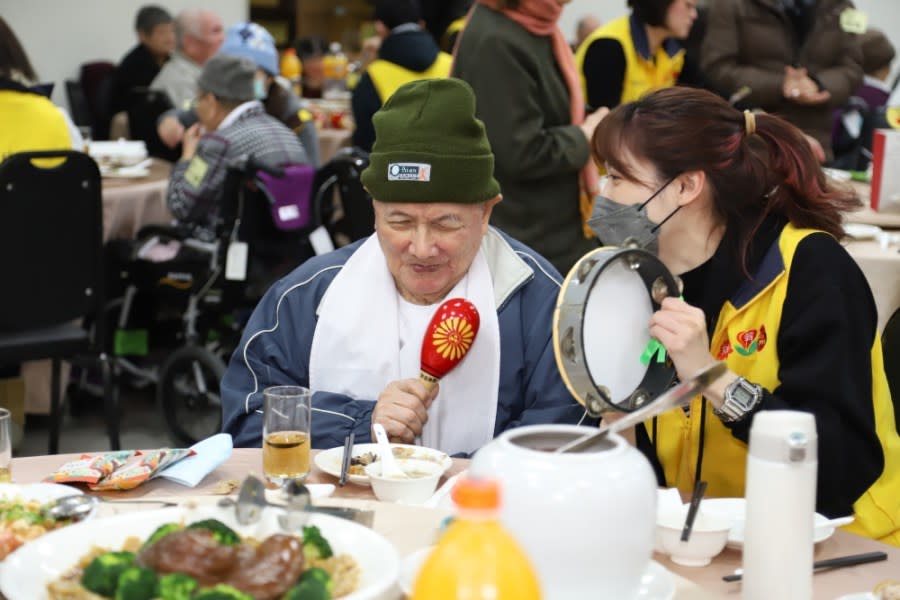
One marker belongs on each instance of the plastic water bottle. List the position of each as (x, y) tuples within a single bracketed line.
[(476, 558), (334, 67), (292, 70), (781, 503)]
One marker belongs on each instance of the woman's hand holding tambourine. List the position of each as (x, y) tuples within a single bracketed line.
[(681, 328)]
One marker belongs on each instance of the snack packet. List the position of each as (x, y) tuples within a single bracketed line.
[(90, 468), (142, 467)]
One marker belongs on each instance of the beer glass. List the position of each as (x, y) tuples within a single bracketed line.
[(5, 446), (287, 412)]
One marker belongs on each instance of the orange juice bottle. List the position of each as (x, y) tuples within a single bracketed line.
[(292, 69), (476, 558)]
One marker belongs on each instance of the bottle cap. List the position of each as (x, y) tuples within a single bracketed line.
[(476, 493), (784, 436)]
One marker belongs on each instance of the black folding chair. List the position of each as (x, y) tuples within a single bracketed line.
[(51, 264)]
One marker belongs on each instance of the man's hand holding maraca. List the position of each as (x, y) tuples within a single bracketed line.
[(402, 409)]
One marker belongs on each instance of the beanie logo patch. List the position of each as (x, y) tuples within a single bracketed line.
[(409, 172)]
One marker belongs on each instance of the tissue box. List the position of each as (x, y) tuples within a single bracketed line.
[(885, 195)]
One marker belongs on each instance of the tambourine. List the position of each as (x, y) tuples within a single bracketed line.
[(601, 329)]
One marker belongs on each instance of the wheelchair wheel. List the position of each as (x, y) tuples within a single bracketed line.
[(188, 391)]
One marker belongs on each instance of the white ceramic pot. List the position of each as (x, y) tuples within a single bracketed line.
[(586, 520)]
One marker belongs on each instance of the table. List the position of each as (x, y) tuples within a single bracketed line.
[(887, 220), (410, 528), (881, 266), (332, 140), (129, 204)]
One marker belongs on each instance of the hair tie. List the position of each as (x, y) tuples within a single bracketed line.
[(749, 122)]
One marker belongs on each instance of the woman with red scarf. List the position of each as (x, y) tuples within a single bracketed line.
[(528, 95)]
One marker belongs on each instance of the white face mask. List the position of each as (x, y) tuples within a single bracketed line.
[(259, 89)]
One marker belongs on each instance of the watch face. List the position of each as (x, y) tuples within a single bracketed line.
[(742, 395)]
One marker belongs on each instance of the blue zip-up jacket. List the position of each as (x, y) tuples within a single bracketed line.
[(276, 345)]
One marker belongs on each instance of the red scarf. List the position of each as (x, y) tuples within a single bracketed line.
[(540, 17)]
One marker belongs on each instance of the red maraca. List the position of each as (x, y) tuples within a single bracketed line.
[(448, 337)]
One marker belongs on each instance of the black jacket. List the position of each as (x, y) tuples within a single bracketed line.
[(136, 70)]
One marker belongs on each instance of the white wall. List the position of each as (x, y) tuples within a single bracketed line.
[(60, 35), (883, 14)]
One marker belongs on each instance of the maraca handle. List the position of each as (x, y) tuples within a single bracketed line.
[(429, 381)]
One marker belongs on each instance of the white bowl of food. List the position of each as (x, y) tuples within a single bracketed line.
[(706, 541), (421, 481)]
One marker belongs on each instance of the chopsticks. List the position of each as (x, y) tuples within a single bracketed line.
[(345, 462), (696, 497), (831, 563)]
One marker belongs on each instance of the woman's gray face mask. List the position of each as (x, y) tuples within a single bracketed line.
[(627, 224)]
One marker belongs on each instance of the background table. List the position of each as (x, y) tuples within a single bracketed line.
[(410, 528)]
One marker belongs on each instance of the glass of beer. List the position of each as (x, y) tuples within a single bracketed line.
[(287, 412), (5, 447)]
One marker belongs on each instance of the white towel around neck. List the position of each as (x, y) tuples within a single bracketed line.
[(357, 350)]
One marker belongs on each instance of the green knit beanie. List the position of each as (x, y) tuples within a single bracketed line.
[(429, 147)]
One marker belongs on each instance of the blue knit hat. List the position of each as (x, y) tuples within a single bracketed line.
[(254, 42)]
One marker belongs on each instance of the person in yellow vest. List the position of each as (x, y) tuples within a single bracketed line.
[(28, 119), (738, 207), (635, 54), (407, 53)]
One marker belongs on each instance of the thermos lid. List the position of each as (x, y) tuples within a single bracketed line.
[(784, 436)]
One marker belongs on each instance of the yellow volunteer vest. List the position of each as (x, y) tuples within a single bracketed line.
[(30, 122), (387, 76), (745, 338), (641, 75)]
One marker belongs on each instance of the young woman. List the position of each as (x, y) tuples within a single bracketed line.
[(742, 213), (638, 53)]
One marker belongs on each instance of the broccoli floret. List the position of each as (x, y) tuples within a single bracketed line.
[(320, 575), (102, 575), (311, 589), (314, 545), (223, 534), (177, 586), (222, 592), (161, 532), (136, 583)]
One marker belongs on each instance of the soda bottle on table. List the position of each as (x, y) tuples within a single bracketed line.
[(476, 558), (292, 70)]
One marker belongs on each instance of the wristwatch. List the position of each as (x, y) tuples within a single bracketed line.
[(741, 397)]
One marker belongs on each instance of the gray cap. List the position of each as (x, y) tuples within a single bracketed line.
[(228, 77)]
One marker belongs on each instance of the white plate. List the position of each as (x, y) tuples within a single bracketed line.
[(330, 460), (735, 510), (859, 596), (25, 573), (125, 172), (656, 582), (861, 231), (39, 492)]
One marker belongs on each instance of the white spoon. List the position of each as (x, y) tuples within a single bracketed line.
[(389, 468)]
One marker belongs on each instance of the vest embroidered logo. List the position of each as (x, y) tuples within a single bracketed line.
[(751, 341), (409, 172)]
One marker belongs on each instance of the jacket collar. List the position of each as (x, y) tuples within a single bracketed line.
[(642, 44), (508, 270)]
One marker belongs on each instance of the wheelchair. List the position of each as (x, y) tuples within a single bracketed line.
[(202, 296)]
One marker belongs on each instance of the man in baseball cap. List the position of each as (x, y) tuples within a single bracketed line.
[(350, 324)]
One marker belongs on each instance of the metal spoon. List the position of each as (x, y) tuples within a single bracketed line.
[(678, 395), (78, 508)]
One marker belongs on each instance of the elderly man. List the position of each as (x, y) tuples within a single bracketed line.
[(236, 125), (350, 324), (198, 35)]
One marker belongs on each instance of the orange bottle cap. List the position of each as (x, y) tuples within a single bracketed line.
[(473, 493)]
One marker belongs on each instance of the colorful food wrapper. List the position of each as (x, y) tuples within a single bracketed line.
[(140, 468), (90, 468)]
